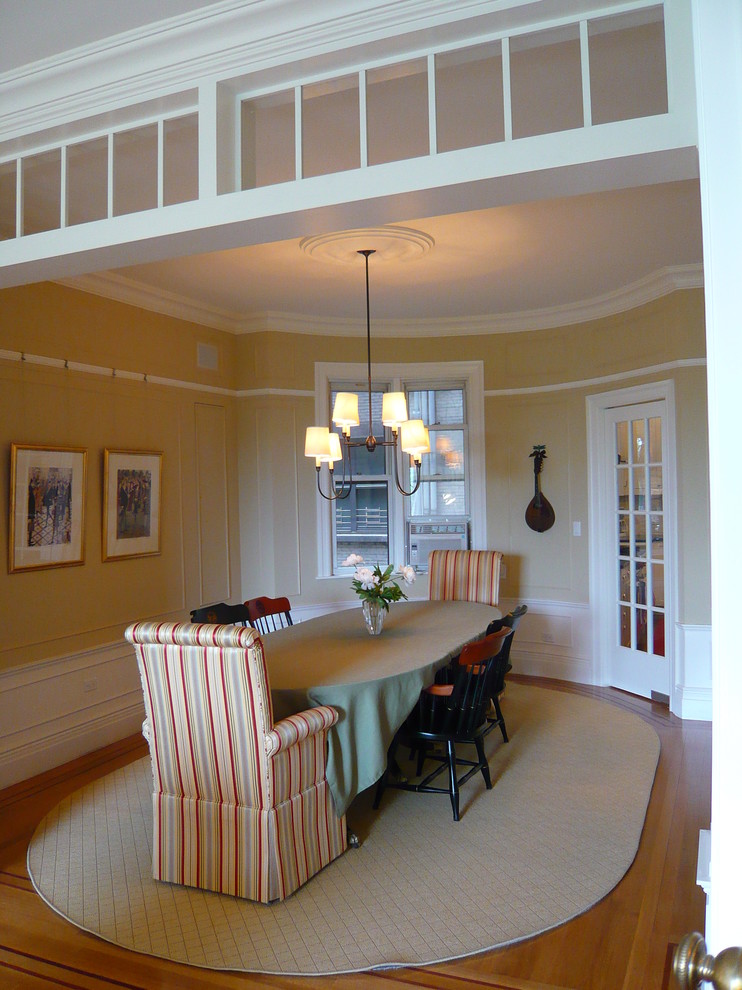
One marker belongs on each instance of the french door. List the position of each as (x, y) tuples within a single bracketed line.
[(634, 547)]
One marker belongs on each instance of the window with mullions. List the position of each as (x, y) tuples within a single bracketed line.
[(443, 489), (449, 397), (361, 521)]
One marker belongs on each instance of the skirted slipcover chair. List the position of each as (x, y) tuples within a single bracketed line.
[(464, 575), (241, 805)]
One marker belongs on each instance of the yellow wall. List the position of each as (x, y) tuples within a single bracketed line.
[(61, 610), (269, 502), (552, 566)]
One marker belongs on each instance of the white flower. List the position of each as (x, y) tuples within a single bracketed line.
[(408, 573), (352, 560), (366, 578)]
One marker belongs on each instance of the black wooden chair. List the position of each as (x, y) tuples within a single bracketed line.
[(449, 714), (268, 614), (497, 687), (221, 614)]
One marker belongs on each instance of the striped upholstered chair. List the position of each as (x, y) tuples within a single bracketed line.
[(464, 575), (241, 805)]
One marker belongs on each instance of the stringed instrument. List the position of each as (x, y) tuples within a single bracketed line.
[(539, 514)]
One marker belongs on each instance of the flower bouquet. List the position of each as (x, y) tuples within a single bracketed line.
[(377, 588)]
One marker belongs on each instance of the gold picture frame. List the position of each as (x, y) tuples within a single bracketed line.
[(132, 495), (47, 506)]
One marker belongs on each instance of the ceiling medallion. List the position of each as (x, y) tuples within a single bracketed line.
[(388, 243)]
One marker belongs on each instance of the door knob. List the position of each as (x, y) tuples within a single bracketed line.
[(692, 965)]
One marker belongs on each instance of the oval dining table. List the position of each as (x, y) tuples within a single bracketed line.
[(372, 681)]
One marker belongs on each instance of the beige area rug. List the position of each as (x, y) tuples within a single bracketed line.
[(557, 832)]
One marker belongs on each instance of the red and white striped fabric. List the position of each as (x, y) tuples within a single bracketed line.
[(464, 576), (240, 805)]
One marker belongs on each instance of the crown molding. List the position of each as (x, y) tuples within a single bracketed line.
[(229, 39), (110, 285), (655, 286)]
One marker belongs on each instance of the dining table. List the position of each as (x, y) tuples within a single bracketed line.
[(372, 681)]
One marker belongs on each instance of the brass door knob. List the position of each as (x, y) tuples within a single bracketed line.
[(692, 965)]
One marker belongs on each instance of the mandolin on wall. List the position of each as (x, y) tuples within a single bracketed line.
[(539, 514)]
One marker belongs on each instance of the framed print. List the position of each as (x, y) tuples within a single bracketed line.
[(132, 484), (47, 506)]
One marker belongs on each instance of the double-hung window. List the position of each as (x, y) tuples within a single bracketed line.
[(374, 519), (443, 492), (361, 519)]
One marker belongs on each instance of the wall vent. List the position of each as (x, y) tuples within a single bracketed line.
[(208, 357)]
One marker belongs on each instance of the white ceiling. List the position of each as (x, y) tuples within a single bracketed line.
[(531, 256), (40, 29), (511, 259)]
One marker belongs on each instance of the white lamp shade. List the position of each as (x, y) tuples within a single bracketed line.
[(345, 412), (317, 443), (335, 452), (394, 409), (414, 438)]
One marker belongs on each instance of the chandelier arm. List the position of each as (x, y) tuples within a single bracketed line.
[(337, 496), (398, 483), (344, 493)]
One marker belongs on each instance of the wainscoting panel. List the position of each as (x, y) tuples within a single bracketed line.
[(553, 640), (278, 511), (213, 520), (58, 709)]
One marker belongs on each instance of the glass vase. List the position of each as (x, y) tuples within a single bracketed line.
[(373, 616)]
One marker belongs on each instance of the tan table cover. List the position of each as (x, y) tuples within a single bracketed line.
[(373, 681)]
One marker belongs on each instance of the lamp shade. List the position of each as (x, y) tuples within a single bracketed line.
[(414, 438), (335, 452), (394, 409), (345, 412), (317, 443)]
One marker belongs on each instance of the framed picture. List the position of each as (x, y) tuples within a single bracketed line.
[(132, 484), (47, 506)]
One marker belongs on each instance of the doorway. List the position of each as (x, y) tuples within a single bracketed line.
[(632, 485)]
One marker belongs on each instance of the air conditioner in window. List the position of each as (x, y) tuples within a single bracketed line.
[(427, 536)]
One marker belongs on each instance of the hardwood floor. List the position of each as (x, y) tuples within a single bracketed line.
[(624, 943)]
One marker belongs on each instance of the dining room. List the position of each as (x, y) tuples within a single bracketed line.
[(513, 325)]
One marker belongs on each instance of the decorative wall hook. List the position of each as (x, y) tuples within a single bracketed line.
[(539, 514)]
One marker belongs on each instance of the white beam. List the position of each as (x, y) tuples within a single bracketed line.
[(718, 37)]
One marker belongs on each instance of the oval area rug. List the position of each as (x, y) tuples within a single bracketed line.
[(556, 833)]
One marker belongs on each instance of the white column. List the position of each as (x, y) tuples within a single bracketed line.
[(718, 64), (217, 140)]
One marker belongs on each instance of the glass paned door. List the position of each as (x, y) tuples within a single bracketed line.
[(636, 478)]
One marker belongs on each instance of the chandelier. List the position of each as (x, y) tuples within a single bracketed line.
[(325, 446)]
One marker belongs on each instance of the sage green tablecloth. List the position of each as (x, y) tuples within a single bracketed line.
[(373, 681)]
